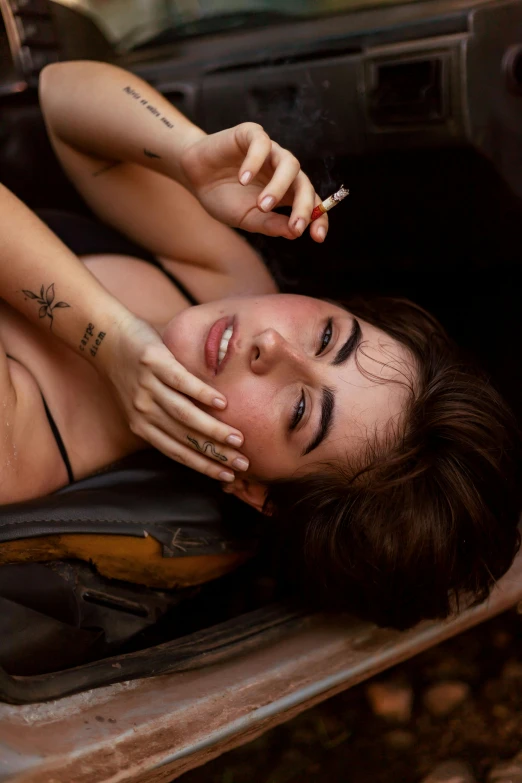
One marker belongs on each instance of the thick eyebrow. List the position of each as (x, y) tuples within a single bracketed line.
[(327, 409), (346, 350), (328, 397)]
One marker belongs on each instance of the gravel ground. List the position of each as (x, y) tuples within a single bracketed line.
[(459, 701)]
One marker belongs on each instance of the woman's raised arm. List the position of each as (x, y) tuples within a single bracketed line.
[(116, 116), (239, 175)]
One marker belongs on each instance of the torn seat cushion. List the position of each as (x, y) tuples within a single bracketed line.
[(85, 569), (148, 520)]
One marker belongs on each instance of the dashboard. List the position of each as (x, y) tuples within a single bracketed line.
[(424, 74)]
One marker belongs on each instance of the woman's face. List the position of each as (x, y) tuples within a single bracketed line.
[(290, 377)]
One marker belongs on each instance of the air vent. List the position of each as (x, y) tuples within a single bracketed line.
[(408, 92)]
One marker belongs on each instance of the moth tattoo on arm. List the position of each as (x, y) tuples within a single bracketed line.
[(46, 301), (207, 446)]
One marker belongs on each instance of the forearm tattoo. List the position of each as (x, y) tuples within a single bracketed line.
[(46, 301), (91, 340), (207, 446), (148, 106)]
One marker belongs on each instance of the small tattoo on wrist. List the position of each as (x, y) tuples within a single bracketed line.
[(46, 301), (89, 335), (207, 446)]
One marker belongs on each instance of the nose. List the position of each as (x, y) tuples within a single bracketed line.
[(271, 353)]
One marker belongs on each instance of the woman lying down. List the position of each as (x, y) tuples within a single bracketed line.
[(388, 468)]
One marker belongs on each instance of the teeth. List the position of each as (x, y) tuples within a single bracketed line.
[(223, 345)]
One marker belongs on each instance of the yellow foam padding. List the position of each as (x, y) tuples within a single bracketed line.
[(128, 558)]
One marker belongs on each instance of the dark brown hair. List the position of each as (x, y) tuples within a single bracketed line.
[(424, 521)]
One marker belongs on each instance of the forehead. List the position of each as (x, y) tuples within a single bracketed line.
[(371, 393)]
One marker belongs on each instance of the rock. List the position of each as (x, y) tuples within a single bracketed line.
[(398, 739), (508, 771), (500, 711), (512, 670), (443, 698), (501, 640), (390, 700), (450, 772)]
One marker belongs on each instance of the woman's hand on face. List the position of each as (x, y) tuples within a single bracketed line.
[(156, 393), (239, 175)]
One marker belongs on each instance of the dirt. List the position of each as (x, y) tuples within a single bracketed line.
[(344, 741)]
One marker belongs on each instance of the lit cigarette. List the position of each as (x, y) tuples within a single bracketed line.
[(329, 203)]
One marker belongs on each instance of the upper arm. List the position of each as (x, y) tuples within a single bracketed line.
[(209, 258)]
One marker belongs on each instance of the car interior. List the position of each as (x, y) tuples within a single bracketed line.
[(147, 567)]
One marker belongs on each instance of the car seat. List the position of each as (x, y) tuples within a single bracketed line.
[(87, 568)]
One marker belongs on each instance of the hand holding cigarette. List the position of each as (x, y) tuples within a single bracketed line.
[(240, 176)]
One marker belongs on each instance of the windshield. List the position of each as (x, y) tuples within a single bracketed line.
[(135, 24)]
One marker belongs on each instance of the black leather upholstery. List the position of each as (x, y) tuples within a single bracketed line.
[(60, 614), (143, 494)]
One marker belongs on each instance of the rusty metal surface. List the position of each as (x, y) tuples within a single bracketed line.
[(152, 731), (222, 642)]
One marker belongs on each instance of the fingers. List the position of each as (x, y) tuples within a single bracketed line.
[(174, 409), (165, 367), (173, 427), (288, 185), (272, 225), (291, 185), (302, 205), (286, 168), (185, 455), (319, 228), (259, 148), (174, 438), (304, 200)]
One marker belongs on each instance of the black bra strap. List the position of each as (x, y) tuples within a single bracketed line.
[(59, 441)]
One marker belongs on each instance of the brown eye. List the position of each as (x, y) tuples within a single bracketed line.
[(299, 410), (326, 337)]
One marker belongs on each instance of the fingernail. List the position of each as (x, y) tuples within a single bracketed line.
[(321, 232), (234, 440), (267, 202), (299, 225), (218, 403), (240, 463), (246, 177), (226, 476)]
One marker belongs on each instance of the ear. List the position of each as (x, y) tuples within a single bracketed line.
[(249, 491)]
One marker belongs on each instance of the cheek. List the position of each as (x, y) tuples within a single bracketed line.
[(251, 410), (175, 335), (185, 336)]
